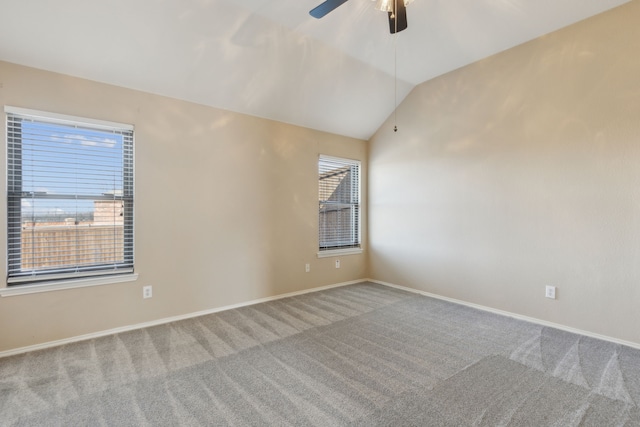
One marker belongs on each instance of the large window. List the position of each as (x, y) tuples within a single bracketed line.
[(70, 197), (339, 203)]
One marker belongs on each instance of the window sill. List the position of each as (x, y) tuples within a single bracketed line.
[(66, 284), (339, 252)]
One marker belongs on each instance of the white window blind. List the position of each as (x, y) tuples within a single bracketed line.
[(70, 197), (339, 203)]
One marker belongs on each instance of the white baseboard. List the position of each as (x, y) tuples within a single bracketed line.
[(513, 315), (162, 321), (165, 320)]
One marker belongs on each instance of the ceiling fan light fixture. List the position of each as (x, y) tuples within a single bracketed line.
[(387, 5), (384, 5), (396, 11)]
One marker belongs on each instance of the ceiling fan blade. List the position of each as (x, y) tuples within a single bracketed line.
[(400, 15), (326, 7)]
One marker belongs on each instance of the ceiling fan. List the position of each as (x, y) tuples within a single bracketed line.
[(395, 8)]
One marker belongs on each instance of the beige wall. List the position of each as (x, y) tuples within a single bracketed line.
[(520, 171), (226, 209)]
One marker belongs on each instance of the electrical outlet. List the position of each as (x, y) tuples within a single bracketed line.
[(147, 291), (307, 268), (337, 263), (550, 292)]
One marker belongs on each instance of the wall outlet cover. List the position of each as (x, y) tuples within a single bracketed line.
[(147, 292), (550, 292)]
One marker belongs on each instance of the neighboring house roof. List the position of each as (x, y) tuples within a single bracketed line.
[(334, 187)]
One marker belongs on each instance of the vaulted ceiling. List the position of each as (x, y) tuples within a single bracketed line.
[(269, 58)]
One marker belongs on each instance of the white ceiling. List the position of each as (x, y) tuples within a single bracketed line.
[(269, 58)]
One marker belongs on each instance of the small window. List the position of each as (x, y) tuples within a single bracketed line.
[(339, 207), (70, 197)]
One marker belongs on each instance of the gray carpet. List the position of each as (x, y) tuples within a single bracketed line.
[(362, 355)]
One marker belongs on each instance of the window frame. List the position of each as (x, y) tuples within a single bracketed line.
[(354, 245), (18, 281)]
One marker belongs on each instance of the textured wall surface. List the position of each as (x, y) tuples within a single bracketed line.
[(520, 171), (226, 209)]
